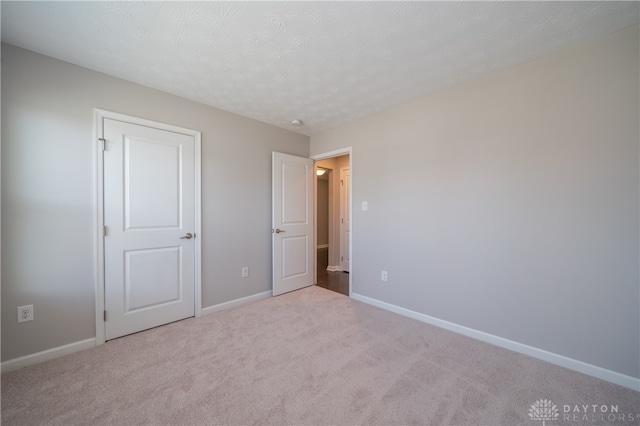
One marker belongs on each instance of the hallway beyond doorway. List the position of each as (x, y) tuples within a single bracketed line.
[(335, 281)]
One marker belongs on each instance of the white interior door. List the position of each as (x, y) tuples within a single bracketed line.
[(345, 219), (150, 221), (292, 223)]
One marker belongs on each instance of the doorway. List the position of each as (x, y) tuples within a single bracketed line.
[(333, 219)]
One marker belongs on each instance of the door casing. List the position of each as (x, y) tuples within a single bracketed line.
[(99, 267)]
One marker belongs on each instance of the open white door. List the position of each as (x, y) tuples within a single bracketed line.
[(292, 229), (345, 219), (150, 223)]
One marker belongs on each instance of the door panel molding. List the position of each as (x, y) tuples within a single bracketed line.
[(99, 119)]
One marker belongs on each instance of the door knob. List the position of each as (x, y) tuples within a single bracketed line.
[(187, 237), (279, 231)]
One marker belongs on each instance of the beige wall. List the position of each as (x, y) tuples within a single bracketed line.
[(48, 194), (510, 205)]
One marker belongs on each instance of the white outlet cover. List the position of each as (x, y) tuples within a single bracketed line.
[(25, 313), (365, 206)]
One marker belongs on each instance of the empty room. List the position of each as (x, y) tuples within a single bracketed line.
[(185, 184)]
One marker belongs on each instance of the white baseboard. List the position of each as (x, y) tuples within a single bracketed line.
[(49, 354), (334, 269), (561, 360), (236, 302)]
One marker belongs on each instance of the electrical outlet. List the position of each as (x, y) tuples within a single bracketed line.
[(245, 272), (383, 275), (25, 313)]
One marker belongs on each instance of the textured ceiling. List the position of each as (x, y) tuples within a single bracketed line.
[(325, 63)]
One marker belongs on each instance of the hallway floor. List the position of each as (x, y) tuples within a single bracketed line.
[(334, 281)]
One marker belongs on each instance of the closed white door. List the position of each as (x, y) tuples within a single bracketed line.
[(345, 219), (292, 223), (150, 221)]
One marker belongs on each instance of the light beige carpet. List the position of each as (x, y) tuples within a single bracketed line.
[(311, 357)]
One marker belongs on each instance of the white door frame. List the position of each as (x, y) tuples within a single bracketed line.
[(99, 116), (323, 156)]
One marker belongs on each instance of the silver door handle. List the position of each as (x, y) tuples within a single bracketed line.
[(187, 237), (279, 231)]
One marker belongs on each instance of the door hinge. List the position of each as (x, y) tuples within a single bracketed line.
[(342, 258), (342, 220), (105, 316), (341, 182), (103, 142), (104, 231)]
